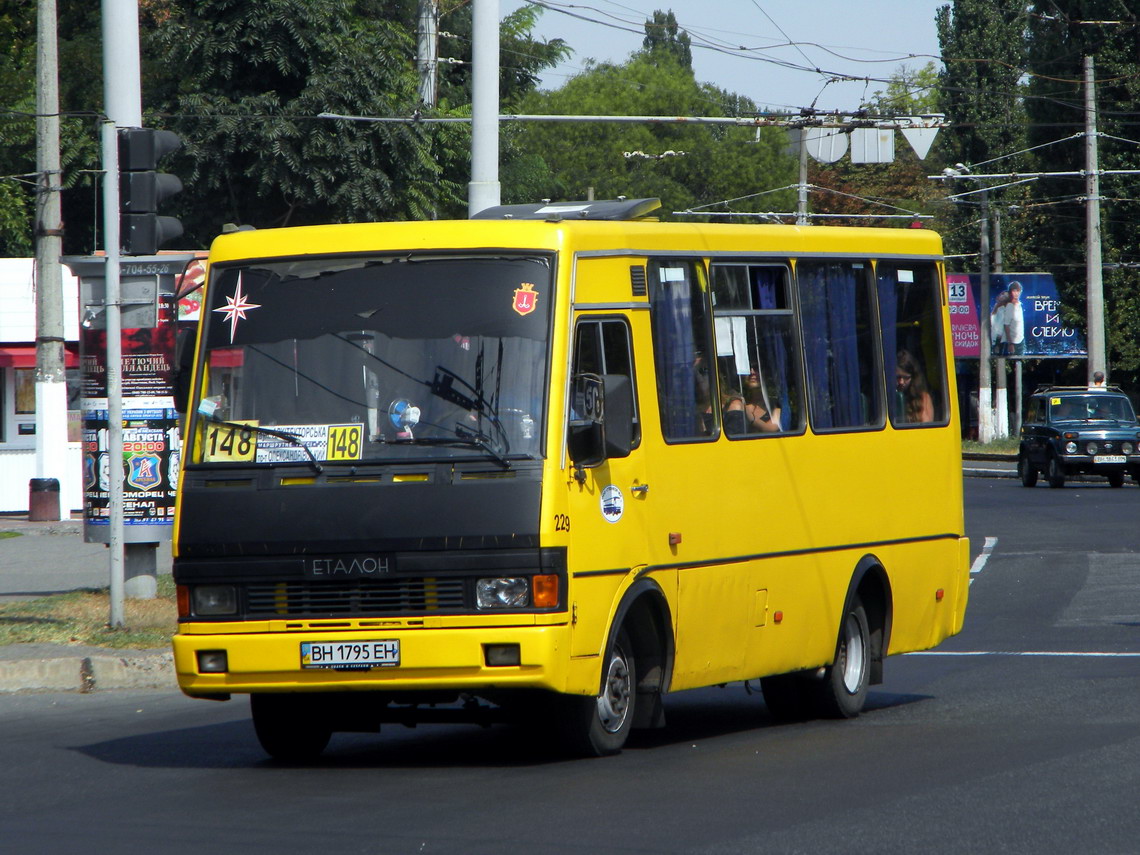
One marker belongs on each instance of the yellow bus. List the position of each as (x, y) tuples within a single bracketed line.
[(554, 462)]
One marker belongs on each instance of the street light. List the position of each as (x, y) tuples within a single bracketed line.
[(985, 399)]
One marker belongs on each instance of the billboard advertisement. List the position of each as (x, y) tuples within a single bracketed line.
[(1025, 317)]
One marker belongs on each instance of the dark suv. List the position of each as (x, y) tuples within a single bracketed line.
[(1068, 430)]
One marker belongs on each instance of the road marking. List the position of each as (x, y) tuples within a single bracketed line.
[(1070, 653), (984, 556)]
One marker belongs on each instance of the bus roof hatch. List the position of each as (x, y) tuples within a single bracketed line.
[(605, 209)]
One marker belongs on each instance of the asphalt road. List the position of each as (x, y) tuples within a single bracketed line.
[(1021, 735)]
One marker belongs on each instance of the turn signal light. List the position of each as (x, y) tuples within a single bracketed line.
[(544, 590), (183, 600)]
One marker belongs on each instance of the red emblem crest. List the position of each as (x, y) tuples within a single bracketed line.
[(526, 298)]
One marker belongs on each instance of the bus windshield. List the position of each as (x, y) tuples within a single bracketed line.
[(375, 358)]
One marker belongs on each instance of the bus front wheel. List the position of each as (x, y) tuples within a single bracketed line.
[(290, 729), (844, 688), (599, 726)]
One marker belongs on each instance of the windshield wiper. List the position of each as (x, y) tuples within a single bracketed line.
[(464, 437), (290, 438)]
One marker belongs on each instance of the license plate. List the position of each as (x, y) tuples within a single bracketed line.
[(350, 655), (1110, 458)]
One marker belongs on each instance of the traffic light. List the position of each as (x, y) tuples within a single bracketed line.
[(141, 229)]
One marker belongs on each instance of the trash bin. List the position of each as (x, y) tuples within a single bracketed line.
[(43, 499)]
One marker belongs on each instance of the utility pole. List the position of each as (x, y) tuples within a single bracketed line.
[(50, 376), (484, 190), (122, 100), (427, 50), (802, 200), (985, 379), (1094, 284), (1001, 404)]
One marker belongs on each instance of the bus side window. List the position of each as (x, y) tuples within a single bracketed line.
[(844, 391), (603, 347), (756, 357), (685, 363), (909, 309)]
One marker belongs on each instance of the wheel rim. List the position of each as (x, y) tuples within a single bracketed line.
[(613, 702), (852, 653)]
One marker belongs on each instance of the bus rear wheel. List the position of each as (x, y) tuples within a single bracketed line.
[(289, 728), (844, 688), (599, 726)]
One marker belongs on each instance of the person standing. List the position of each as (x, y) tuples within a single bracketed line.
[(997, 324), (1013, 318)]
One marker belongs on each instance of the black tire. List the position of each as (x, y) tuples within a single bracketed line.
[(1055, 473), (1026, 471), (289, 727), (843, 690), (599, 726), (1116, 479)]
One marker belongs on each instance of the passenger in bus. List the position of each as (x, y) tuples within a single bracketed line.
[(731, 402), (759, 416), (910, 383), (732, 409)]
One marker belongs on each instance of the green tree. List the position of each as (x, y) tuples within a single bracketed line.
[(884, 188), (244, 83), (909, 92), (663, 36), (685, 165), (522, 57), (1061, 34), (984, 52), (80, 95)]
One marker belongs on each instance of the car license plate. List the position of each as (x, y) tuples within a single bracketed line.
[(350, 655), (1110, 458)]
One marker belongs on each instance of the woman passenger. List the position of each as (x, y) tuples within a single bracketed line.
[(756, 413), (910, 382)]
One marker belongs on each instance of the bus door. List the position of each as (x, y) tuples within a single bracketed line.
[(607, 503)]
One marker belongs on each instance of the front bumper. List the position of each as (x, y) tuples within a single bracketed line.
[(450, 659)]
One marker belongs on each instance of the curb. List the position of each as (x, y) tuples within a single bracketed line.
[(87, 674), (989, 473)]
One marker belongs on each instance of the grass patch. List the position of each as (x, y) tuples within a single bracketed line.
[(6, 534), (998, 446), (81, 617)]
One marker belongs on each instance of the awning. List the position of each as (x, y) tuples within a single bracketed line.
[(24, 356)]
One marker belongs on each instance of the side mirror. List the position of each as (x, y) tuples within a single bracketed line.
[(601, 419), (619, 415)]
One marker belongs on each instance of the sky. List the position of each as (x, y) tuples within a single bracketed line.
[(793, 47)]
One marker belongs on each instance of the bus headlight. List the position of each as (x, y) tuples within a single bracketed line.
[(509, 592), (1126, 448), (1070, 448), (1090, 448), (214, 600)]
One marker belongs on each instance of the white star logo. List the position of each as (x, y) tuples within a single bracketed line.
[(236, 307)]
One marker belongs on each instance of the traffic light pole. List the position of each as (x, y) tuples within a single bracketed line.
[(114, 370), (122, 95)]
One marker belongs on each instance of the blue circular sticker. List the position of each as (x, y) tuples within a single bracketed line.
[(613, 504)]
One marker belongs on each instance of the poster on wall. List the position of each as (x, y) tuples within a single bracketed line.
[(151, 440), (1025, 317)]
